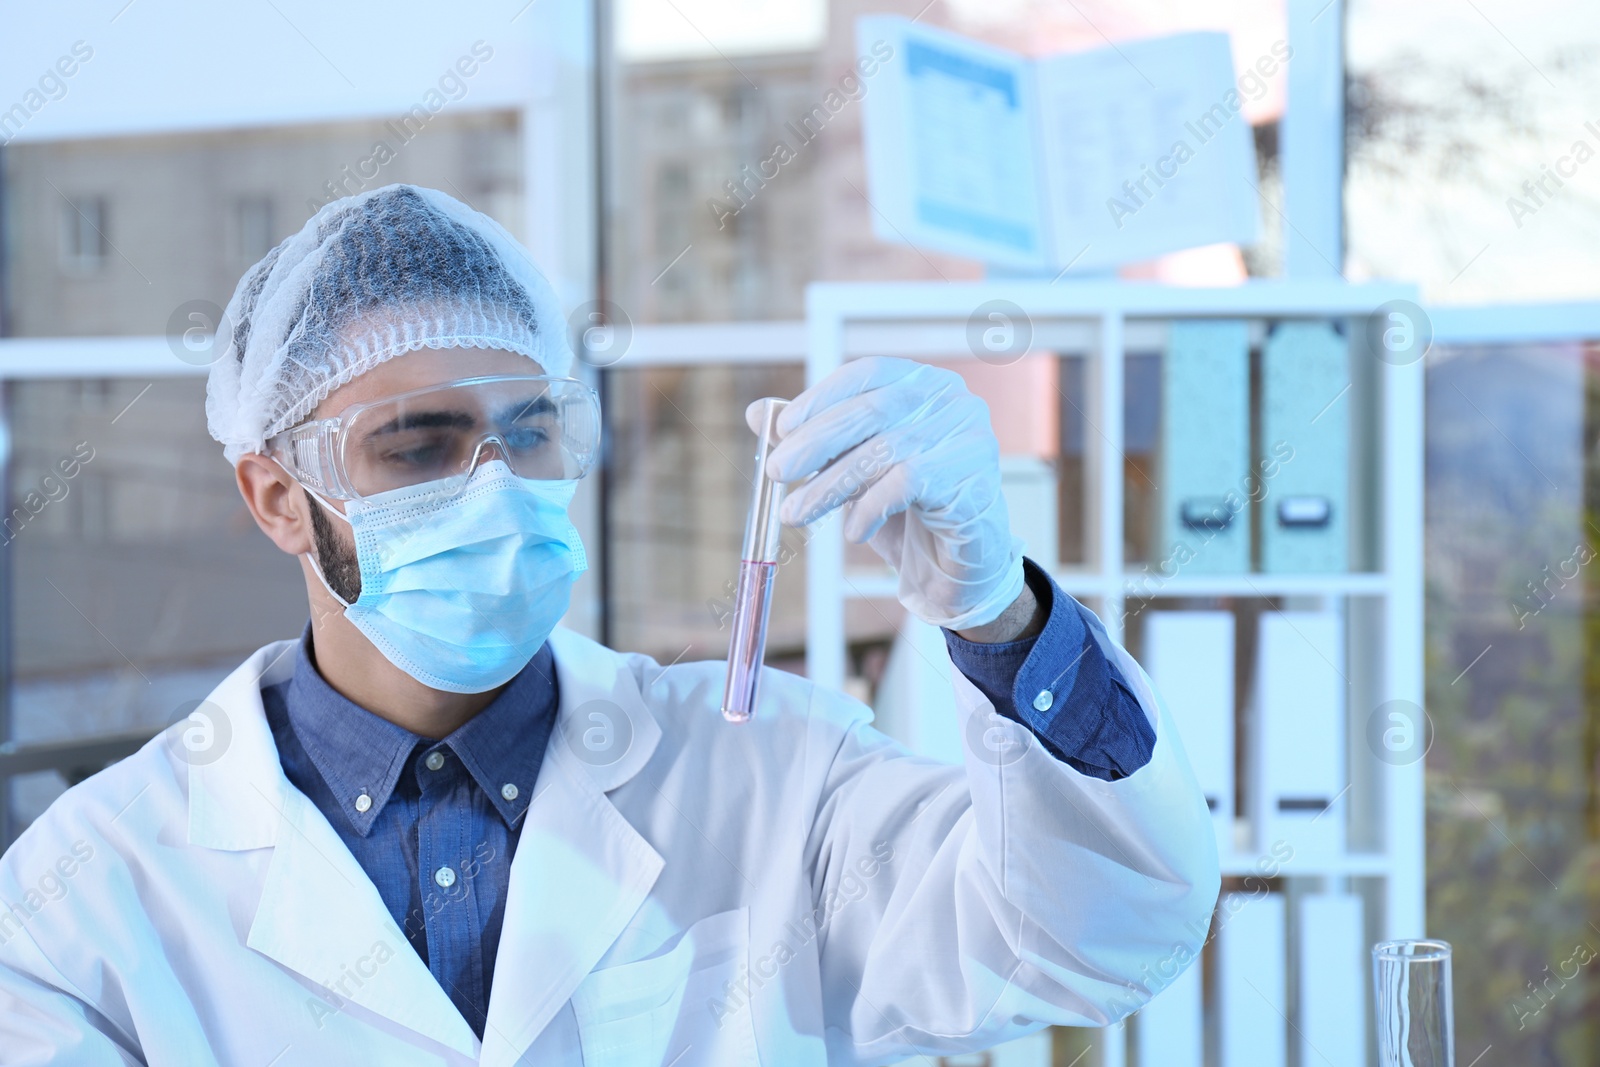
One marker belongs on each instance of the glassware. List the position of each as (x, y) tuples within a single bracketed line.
[(752, 601), (1415, 1020)]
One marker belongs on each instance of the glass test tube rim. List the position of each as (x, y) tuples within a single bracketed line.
[(1413, 950)]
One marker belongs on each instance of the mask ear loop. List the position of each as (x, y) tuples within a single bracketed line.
[(311, 557)]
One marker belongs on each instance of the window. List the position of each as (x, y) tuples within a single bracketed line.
[(253, 232), (137, 580), (83, 235), (1473, 152), (185, 244), (1513, 637), (678, 490)]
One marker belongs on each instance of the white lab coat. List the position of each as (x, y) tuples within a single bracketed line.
[(797, 890)]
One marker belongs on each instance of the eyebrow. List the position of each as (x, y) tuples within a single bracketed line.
[(522, 409), (426, 420)]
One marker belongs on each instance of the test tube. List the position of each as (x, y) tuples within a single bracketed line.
[(758, 562)]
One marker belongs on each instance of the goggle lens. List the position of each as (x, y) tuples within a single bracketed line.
[(542, 428)]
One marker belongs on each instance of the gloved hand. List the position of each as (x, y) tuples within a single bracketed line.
[(909, 454)]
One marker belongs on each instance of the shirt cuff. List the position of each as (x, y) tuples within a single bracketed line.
[(1060, 685)]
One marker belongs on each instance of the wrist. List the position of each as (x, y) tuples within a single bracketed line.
[(1023, 618)]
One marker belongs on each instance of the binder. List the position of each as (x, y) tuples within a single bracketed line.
[(1252, 980), (1189, 657), (1332, 982), (1028, 484), (1171, 1026), (1030, 1051), (1299, 723), (1205, 449), (916, 699), (1305, 413)]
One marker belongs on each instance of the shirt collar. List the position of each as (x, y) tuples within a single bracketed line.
[(361, 754), (503, 745)]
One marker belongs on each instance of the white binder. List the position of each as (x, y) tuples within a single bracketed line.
[(1299, 726), (1332, 986), (916, 699), (1189, 657), (1028, 484), (1252, 979), (1030, 1051), (1305, 414), (1171, 1026), (1205, 449)]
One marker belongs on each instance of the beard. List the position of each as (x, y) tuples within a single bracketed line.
[(340, 567)]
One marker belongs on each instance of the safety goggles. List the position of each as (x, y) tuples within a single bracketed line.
[(542, 427)]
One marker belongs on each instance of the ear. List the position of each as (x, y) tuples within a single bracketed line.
[(277, 503)]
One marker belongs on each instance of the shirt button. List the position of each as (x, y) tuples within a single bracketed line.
[(509, 791), (363, 802), (1043, 701), (445, 876), (435, 760)]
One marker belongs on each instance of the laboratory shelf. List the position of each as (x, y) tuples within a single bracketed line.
[(1147, 586), (864, 584), (1379, 639), (1348, 865)]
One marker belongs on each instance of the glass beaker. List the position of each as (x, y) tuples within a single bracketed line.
[(1415, 1021)]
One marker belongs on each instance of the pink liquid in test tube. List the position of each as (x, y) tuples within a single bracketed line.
[(752, 601)]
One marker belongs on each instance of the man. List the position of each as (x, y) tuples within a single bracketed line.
[(438, 829)]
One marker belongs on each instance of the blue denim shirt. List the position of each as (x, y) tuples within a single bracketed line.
[(1061, 686), (456, 804)]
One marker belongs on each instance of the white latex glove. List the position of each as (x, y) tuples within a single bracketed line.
[(910, 455)]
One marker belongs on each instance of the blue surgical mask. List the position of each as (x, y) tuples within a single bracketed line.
[(459, 591)]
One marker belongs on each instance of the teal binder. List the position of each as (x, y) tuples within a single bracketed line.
[(1205, 450), (1305, 414)]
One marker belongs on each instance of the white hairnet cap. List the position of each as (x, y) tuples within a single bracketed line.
[(368, 278)]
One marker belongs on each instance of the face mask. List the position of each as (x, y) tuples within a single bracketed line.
[(461, 591)]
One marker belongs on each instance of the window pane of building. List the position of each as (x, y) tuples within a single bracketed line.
[(83, 235), (136, 579), (1513, 816), (118, 235), (709, 219), (681, 464), (1473, 148)]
